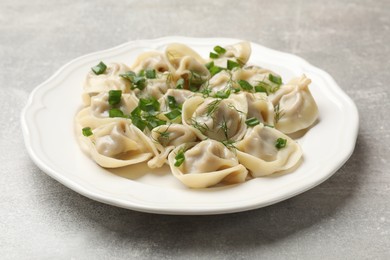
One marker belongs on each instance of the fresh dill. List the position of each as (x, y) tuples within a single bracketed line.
[(278, 114)]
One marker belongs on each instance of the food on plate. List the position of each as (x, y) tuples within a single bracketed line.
[(213, 120)]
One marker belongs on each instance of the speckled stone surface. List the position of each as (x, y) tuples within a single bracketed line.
[(347, 217)]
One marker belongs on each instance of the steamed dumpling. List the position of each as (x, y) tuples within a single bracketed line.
[(207, 163), (109, 80), (296, 107), (259, 152), (260, 107)]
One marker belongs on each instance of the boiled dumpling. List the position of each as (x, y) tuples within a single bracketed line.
[(151, 60), (167, 137), (295, 107), (157, 87), (109, 80), (239, 52), (259, 107), (119, 144), (218, 119), (264, 150), (100, 106), (205, 164)]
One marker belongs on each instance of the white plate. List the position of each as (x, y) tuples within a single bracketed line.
[(47, 122)]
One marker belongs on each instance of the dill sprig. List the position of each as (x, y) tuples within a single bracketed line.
[(278, 113)]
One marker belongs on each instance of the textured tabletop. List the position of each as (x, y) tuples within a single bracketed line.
[(346, 217)]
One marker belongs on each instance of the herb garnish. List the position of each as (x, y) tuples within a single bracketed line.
[(114, 97), (99, 69), (180, 158), (87, 131), (280, 143), (252, 121)]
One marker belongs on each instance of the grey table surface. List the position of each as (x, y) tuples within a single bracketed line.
[(346, 217)]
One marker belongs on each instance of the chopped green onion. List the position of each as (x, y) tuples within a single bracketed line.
[(153, 122), (269, 126), (261, 87), (219, 50), (139, 83), (214, 55), (280, 143), (179, 158), (172, 104), (149, 105), (215, 70), (128, 75), (114, 97), (173, 114), (223, 94), (245, 85), (275, 79), (252, 121), (87, 131), (232, 64), (115, 112), (209, 65), (180, 83), (141, 73), (138, 122), (150, 73), (99, 69)]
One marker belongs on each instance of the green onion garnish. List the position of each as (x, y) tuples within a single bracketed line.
[(138, 122), (261, 87), (152, 121), (232, 64), (150, 73), (214, 55), (245, 85), (209, 65), (99, 69), (141, 73), (149, 105), (275, 79), (115, 112), (214, 70), (87, 131), (219, 50), (252, 121), (179, 158), (172, 104), (114, 97), (128, 75), (173, 114), (280, 143), (139, 82), (222, 94)]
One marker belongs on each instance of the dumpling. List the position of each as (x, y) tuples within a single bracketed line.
[(180, 95), (174, 52), (260, 107), (98, 113), (193, 73), (100, 106), (187, 64), (205, 164), (151, 60), (166, 138), (109, 80), (295, 107), (221, 81), (218, 119), (119, 144), (264, 150), (157, 87), (258, 77), (239, 52)]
